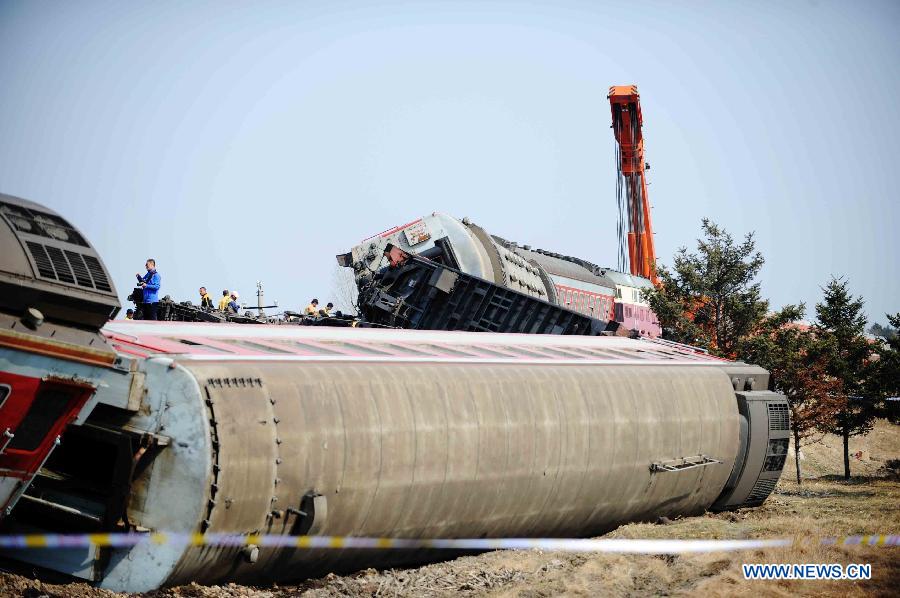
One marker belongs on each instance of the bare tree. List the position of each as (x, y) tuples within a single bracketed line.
[(343, 290)]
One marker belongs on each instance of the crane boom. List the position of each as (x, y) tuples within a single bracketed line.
[(634, 208)]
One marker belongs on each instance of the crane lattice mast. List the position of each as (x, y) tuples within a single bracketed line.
[(631, 186)]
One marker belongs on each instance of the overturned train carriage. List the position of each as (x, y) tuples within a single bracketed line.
[(395, 433), (198, 427)]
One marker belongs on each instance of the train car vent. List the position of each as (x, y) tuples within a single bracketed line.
[(761, 490), (79, 269), (101, 282), (778, 417), (60, 264), (41, 260), (69, 266), (35, 222)]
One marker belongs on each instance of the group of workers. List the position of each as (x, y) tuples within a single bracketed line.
[(313, 309), (149, 284), (227, 303)]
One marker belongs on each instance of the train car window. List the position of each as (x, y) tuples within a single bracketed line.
[(526, 352), (191, 343), (48, 407), (408, 349), (595, 352), (631, 353), (255, 346), (559, 352), (356, 348), (316, 350), (487, 351), (444, 350), (4, 394), (577, 352)]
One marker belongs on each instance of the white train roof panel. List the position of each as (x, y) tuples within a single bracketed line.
[(225, 342)]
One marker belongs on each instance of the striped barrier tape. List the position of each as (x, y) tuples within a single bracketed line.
[(613, 545)]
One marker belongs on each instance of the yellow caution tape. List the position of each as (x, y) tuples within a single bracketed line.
[(613, 545)]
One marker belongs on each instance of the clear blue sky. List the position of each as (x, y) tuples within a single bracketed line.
[(236, 141)]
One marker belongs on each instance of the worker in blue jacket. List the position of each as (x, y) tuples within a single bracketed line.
[(150, 283)]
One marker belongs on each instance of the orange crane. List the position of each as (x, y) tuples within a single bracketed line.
[(634, 204)]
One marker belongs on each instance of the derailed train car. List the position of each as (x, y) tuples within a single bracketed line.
[(293, 430), (573, 283), (55, 295)]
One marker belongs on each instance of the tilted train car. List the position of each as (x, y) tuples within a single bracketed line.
[(54, 296), (573, 283), (293, 430)]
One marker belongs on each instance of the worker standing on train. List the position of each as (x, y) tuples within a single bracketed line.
[(150, 283), (233, 305), (205, 300), (223, 302)]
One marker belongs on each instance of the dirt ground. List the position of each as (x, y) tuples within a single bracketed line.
[(824, 505)]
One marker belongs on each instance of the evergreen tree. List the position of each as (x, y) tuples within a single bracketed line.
[(889, 378), (709, 298), (885, 378), (840, 323)]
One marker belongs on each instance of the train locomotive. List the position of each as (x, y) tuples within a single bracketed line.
[(55, 295), (197, 427), (576, 284)]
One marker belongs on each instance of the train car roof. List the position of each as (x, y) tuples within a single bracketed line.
[(227, 342), (560, 267), (629, 280)]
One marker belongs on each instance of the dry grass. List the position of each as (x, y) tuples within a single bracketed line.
[(824, 505)]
